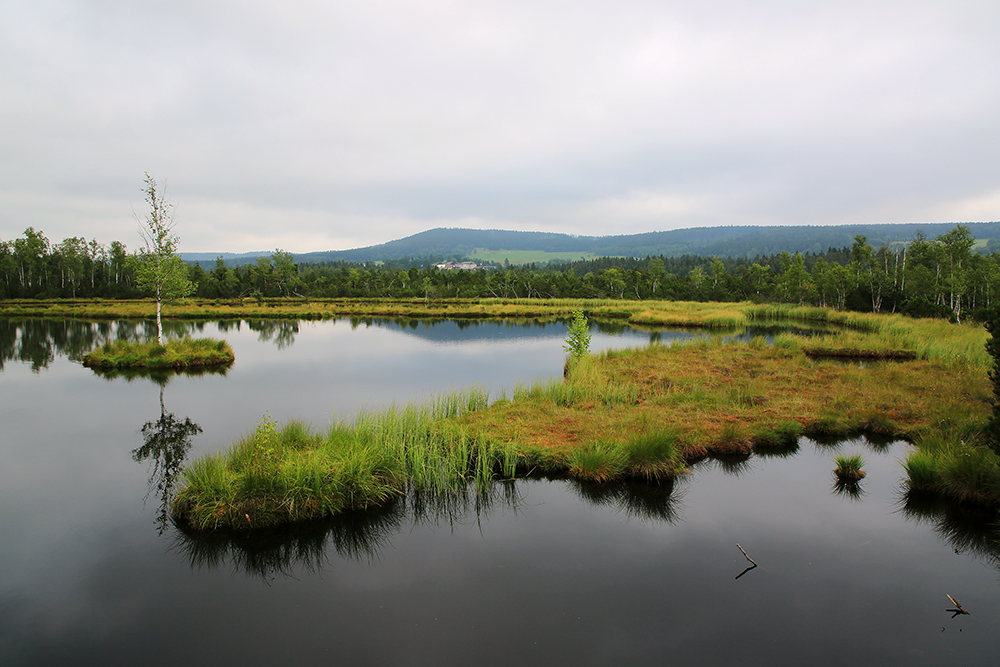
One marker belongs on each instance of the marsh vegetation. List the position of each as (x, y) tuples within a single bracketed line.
[(642, 413)]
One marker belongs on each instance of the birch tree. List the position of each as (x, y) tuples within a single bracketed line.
[(160, 270)]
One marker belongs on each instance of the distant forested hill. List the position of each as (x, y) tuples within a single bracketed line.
[(746, 242)]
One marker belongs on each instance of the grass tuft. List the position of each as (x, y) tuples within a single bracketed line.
[(598, 462), (849, 467)]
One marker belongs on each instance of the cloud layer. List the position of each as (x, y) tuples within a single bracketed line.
[(329, 125)]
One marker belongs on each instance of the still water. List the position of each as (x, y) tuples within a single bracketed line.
[(543, 571)]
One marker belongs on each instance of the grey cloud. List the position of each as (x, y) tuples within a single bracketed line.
[(360, 122)]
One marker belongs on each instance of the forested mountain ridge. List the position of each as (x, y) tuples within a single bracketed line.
[(942, 276), (734, 241)]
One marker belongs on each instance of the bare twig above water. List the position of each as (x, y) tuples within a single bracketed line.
[(752, 561), (959, 609), (745, 555)]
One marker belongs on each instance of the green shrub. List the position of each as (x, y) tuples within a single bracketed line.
[(578, 338)]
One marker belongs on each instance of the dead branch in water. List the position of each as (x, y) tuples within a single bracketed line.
[(745, 555), (753, 563), (959, 609)]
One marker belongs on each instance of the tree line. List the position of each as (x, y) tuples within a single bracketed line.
[(939, 277)]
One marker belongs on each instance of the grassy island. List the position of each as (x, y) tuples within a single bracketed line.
[(643, 413), (182, 353)]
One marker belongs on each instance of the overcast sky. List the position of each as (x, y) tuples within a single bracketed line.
[(309, 125)]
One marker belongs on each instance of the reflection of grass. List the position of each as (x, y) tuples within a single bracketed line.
[(655, 501), (966, 528), (356, 535), (177, 353), (848, 488), (158, 375)]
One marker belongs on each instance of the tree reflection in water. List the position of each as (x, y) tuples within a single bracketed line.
[(166, 443), (282, 332), (166, 440), (38, 341)]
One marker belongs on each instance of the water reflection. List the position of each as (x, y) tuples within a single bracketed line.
[(848, 489), (644, 501), (281, 332), (360, 536), (966, 529), (157, 375), (781, 450), (38, 341), (266, 554), (733, 464), (751, 566), (166, 442)]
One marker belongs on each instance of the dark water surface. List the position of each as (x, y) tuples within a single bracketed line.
[(540, 572)]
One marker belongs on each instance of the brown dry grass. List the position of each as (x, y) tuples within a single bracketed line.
[(722, 395)]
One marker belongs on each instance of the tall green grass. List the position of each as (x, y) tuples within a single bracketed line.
[(653, 456), (954, 468), (280, 475)]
